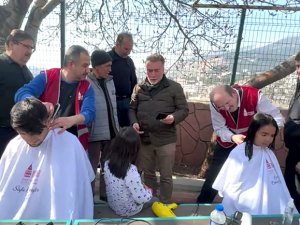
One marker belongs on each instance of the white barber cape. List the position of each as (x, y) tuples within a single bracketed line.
[(51, 181), (256, 186)]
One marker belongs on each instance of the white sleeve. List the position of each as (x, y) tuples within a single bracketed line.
[(133, 182), (264, 105), (219, 125)]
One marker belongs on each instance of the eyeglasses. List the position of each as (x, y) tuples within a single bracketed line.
[(29, 47)]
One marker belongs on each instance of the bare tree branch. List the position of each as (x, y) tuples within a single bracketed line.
[(280, 71), (39, 10), (11, 17)]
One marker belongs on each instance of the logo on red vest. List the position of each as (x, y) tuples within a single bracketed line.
[(80, 96)]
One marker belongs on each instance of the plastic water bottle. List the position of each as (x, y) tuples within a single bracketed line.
[(217, 216), (287, 217)]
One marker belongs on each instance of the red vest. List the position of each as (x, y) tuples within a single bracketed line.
[(247, 109), (51, 94)]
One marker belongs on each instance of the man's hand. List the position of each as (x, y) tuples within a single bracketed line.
[(235, 85), (66, 122), (136, 127), (238, 138), (148, 188), (168, 120), (297, 167), (281, 133)]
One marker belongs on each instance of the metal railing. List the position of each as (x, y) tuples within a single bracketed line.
[(260, 39)]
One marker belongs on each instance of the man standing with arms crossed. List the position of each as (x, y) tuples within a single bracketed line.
[(123, 72)]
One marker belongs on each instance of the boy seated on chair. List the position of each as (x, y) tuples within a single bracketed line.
[(43, 174)]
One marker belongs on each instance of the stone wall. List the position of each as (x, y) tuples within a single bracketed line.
[(194, 135)]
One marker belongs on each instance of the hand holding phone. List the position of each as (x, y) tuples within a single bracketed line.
[(161, 116)]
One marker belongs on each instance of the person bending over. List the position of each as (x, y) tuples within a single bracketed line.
[(43, 174), (251, 179)]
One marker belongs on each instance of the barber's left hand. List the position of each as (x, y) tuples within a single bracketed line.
[(63, 123), (168, 120)]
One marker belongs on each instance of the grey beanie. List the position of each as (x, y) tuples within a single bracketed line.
[(100, 57)]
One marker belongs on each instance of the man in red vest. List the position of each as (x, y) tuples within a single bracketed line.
[(69, 88), (232, 110)]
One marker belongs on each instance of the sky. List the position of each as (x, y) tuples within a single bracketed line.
[(260, 29)]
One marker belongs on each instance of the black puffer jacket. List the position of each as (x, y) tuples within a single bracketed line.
[(147, 102)]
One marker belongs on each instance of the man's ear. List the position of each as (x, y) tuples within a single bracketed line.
[(48, 122), (234, 94)]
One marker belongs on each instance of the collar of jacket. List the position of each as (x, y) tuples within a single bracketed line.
[(92, 76), (164, 82)]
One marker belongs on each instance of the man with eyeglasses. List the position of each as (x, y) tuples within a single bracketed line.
[(14, 74), (232, 110)]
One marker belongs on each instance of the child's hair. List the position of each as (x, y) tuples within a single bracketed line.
[(124, 150), (258, 121), (29, 115)]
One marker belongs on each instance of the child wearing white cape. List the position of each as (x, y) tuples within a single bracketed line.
[(43, 174), (251, 179)]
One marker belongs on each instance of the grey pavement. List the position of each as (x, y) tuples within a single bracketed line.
[(185, 189)]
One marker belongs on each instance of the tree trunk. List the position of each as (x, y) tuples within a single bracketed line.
[(278, 72), (13, 13), (39, 11), (11, 16)]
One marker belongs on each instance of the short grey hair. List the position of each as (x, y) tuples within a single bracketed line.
[(73, 54)]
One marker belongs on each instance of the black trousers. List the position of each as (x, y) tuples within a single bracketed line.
[(220, 155), (292, 179), (6, 134), (122, 110)]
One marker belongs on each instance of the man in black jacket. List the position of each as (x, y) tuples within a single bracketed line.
[(292, 142), (14, 74), (157, 105), (123, 72)]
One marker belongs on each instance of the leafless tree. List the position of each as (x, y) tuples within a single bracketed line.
[(173, 26), (13, 13)]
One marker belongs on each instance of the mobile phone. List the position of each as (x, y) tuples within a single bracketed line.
[(56, 109), (161, 116)]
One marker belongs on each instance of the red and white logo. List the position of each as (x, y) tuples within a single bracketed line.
[(269, 165), (28, 171)]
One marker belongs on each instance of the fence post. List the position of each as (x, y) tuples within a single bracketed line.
[(62, 31), (238, 45)]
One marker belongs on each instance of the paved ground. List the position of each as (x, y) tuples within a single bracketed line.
[(185, 189)]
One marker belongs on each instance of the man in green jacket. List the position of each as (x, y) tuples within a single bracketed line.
[(157, 105)]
